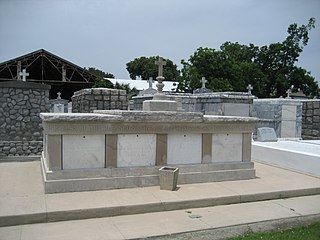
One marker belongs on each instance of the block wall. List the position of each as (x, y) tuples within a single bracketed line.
[(311, 120), (90, 99)]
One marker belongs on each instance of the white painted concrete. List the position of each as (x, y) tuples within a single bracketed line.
[(288, 124), (184, 148), (136, 150), (83, 151), (301, 156), (226, 147)]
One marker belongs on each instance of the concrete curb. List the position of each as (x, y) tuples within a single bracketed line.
[(150, 207)]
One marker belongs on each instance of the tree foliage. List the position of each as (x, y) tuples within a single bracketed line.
[(99, 73), (270, 69), (145, 67)]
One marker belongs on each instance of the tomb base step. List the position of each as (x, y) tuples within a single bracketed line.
[(79, 180)]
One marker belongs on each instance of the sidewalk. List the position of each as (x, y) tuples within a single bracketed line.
[(22, 201), (201, 223)]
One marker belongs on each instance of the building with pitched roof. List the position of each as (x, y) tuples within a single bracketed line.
[(46, 68)]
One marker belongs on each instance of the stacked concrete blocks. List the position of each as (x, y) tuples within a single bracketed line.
[(90, 99), (311, 119)]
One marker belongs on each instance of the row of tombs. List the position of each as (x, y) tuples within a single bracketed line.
[(94, 149)]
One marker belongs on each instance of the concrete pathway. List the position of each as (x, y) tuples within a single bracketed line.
[(199, 223), (140, 212)]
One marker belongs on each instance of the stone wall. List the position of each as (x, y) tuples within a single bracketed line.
[(311, 119), (90, 99), (20, 123)]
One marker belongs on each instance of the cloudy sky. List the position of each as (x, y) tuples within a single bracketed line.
[(107, 34)]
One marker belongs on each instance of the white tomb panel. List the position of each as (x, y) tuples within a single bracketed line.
[(135, 150), (288, 124), (83, 151), (184, 148), (226, 147)]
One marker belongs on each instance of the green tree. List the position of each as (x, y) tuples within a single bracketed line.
[(130, 91), (99, 73), (145, 67), (102, 83), (270, 69)]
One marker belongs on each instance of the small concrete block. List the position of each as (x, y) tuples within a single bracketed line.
[(159, 105), (266, 134)]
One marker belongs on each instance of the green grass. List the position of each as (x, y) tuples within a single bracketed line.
[(310, 232)]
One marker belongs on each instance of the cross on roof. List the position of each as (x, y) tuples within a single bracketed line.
[(203, 81), (250, 88), (24, 75), (150, 81), (160, 62)]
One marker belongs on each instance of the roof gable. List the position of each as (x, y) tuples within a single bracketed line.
[(44, 66)]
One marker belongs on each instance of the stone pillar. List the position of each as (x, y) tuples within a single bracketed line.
[(20, 125)]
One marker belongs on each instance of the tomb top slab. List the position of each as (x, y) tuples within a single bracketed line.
[(142, 116), (155, 116), (72, 117), (234, 119)]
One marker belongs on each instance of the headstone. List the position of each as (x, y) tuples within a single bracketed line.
[(59, 105), (249, 88), (160, 62), (266, 134), (160, 95), (289, 91), (203, 88), (203, 81), (24, 75), (58, 108), (150, 91), (150, 81), (160, 102)]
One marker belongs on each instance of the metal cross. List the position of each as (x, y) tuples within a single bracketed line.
[(24, 75), (250, 88), (160, 62), (203, 81)]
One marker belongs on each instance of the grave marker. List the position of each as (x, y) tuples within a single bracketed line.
[(266, 134), (203, 81), (250, 88)]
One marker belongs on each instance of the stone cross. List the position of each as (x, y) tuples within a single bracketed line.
[(289, 91), (24, 75), (250, 88), (59, 95), (160, 62), (203, 81), (150, 81)]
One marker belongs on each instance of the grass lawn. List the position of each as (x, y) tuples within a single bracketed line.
[(310, 232)]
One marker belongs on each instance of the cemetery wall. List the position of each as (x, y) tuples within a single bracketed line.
[(284, 115), (20, 125), (90, 99), (311, 119)]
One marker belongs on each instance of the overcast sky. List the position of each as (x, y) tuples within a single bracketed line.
[(107, 34)]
